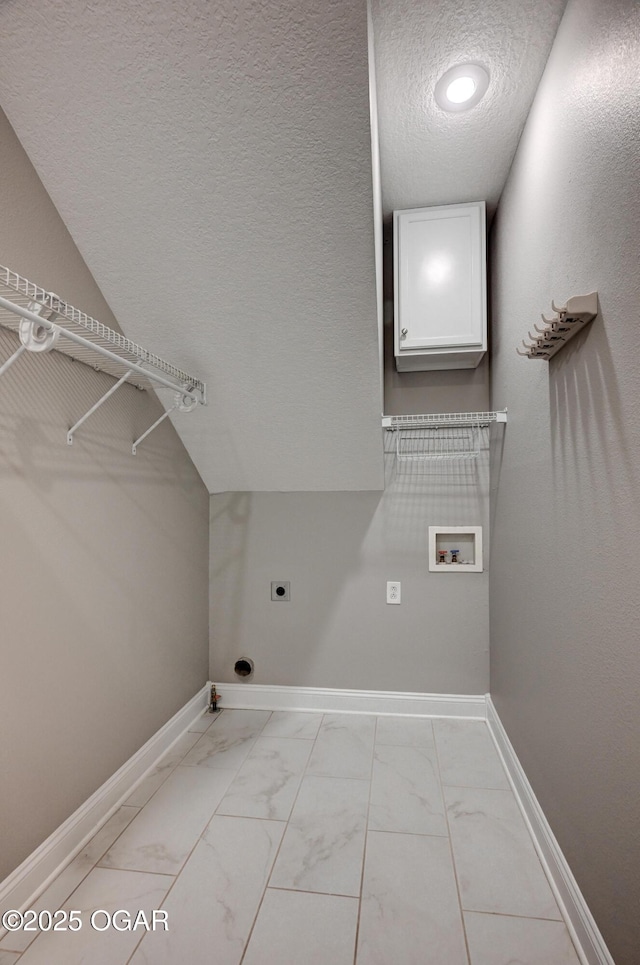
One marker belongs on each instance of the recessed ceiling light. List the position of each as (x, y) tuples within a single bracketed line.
[(461, 90), (461, 87)]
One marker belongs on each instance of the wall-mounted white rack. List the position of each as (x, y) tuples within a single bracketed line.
[(44, 322), (571, 318), (440, 436)]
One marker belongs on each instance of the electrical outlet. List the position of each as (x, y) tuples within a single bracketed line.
[(281, 590), (393, 592)]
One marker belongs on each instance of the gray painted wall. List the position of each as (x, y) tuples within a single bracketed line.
[(565, 572), (104, 556), (454, 390), (338, 550)]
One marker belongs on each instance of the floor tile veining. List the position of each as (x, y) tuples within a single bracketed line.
[(289, 838)]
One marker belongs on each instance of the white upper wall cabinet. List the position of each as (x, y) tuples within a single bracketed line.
[(440, 296)]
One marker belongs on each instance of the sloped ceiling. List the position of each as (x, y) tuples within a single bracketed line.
[(212, 161)]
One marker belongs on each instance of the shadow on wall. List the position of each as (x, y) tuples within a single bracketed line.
[(229, 521), (95, 499), (104, 618), (450, 390), (496, 457), (338, 549), (444, 490), (300, 537), (33, 436), (591, 444)]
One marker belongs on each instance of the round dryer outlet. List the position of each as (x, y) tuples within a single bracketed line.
[(243, 667)]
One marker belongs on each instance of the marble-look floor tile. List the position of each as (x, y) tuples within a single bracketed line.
[(164, 832), (497, 940), (70, 877), (213, 903), (295, 927), (498, 868), (267, 783), (251, 721), (289, 723), (468, 757), (405, 730), (405, 791), (229, 739), (110, 891), (410, 912), (344, 747), (150, 784), (203, 723), (9, 958), (323, 846)]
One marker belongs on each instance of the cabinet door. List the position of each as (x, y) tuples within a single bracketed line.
[(440, 277)]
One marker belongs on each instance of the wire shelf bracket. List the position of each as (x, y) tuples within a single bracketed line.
[(43, 322), (12, 358), (183, 401), (97, 405)]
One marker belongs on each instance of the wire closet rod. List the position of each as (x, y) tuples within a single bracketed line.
[(80, 340), (43, 323), (85, 339)]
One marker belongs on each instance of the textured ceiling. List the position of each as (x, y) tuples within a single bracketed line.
[(429, 156), (212, 162)]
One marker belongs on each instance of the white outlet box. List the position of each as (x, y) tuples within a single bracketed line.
[(455, 549), (394, 594), (281, 590)]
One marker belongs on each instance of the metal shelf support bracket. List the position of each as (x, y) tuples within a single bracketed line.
[(134, 447), (42, 322), (93, 408), (12, 358)]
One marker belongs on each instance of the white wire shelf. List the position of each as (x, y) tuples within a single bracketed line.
[(440, 436), (44, 323), (87, 340), (443, 419)]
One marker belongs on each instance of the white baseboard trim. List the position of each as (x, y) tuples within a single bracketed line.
[(590, 944), (326, 700), (34, 874)]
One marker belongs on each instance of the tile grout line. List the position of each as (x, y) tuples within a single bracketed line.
[(364, 850), (94, 867), (136, 871), (453, 860), (171, 770), (513, 791), (476, 787), (306, 773), (199, 838), (411, 834), (277, 854), (287, 823), (308, 891), (546, 870), (506, 914), (84, 877)]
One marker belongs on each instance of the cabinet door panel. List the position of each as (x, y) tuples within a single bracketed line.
[(440, 277)]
